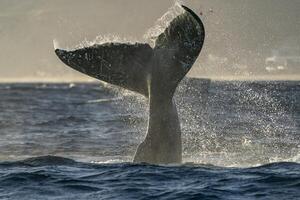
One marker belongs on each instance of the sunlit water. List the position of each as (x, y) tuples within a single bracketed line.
[(232, 125)]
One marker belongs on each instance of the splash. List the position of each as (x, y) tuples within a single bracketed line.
[(56, 44), (162, 23), (107, 100), (253, 131), (99, 40), (149, 37), (102, 39)]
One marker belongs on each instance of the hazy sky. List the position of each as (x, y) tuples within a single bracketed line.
[(241, 34)]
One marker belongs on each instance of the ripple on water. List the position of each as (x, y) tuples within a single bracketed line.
[(57, 177)]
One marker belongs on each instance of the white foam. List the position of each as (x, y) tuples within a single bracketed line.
[(102, 39), (104, 100), (55, 44), (162, 23)]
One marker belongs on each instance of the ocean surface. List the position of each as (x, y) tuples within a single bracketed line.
[(241, 140)]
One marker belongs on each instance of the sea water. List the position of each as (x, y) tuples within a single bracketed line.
[(241, 140)]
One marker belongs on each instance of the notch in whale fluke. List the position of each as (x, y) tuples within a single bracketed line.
[(134, 66)]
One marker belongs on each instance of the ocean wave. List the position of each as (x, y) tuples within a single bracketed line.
[(57, 160), (52, 177), (62, 120), (104, 100)]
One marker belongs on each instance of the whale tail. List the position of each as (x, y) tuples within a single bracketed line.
[(152, 72), (132, 65)]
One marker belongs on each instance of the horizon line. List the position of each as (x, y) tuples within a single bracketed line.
[(92, 80)]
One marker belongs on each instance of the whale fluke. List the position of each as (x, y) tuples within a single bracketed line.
[(152, 72), (119, 64)]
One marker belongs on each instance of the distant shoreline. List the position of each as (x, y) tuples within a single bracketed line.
[(47, 80), (91, 80), (253, 78)]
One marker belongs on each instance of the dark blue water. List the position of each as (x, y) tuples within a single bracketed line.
[(241, 141), (57, 178)]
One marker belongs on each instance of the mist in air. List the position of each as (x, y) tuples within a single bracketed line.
[(243, 36)]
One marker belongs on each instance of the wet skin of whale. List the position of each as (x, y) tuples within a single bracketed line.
[(152, 72)]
